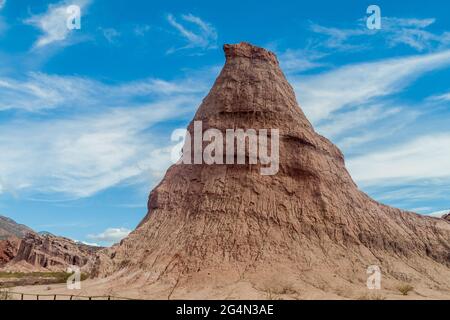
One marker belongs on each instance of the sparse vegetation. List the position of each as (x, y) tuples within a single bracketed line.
[(31, 278), (62, 276), (277, 287), (372, 297), (405, 289)]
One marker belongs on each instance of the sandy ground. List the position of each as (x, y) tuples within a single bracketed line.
[(100, 289)]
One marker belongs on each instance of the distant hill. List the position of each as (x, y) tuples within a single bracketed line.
[(10, 228), (24, 250), (46, 233), (46, 252)]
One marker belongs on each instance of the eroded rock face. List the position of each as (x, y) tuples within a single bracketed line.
[(446, 217), (48, 252), (8, 250), (210, 227)]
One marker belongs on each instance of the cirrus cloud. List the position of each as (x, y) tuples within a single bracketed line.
[(53, 23), (88, 136), (110, 235), (201, 34)]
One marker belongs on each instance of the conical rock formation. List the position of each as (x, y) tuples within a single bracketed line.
[(226, 231)]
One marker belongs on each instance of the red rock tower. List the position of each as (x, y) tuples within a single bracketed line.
[(226, 231)]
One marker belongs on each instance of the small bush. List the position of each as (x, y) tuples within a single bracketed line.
[(275, 287), (405, 289), (271, 296)]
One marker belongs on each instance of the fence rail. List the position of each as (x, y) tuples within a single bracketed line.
[(9, 295)]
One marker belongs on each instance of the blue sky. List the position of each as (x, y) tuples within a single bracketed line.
[(86, 115)]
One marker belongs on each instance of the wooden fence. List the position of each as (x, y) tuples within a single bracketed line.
[(9, 295)]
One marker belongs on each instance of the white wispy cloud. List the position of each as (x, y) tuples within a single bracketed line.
[(411, 32), (439, 214), (110, 34), (110, 235), (141, 30), (92, 244), (101, 136), (327, 92), (38, 91), (440, 97), (336, 38), (374, 132), (199, 34), (3, 25), (422, 195), (53, 22), (394, 31), (81, 155), (358, 117), (424, 157), (297, 61)]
